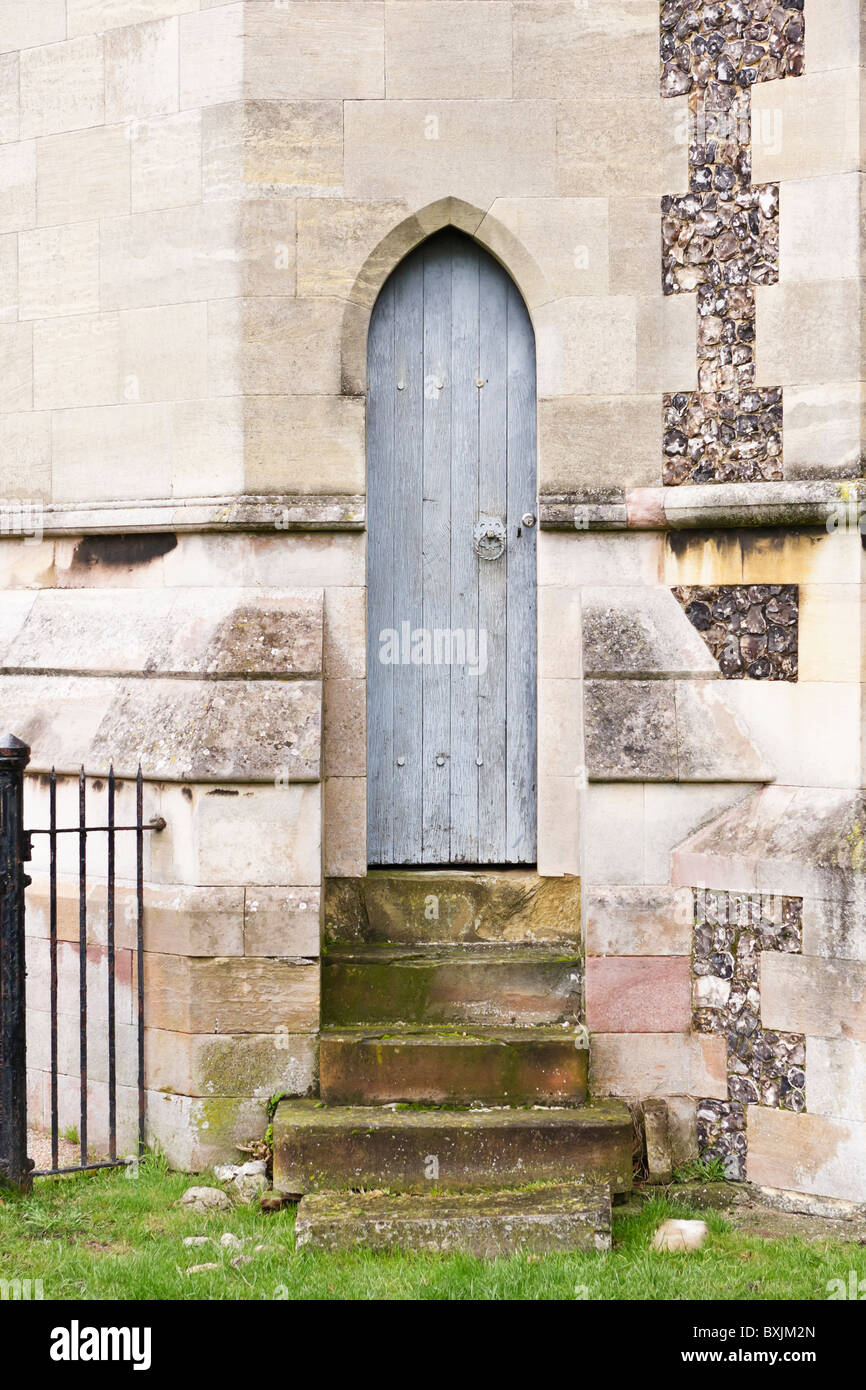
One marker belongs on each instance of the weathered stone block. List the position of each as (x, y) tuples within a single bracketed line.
[(284, 432), (16, 367), (30, 26), (345, 826), (837, 1078), (58, 270), (585, 441), (179, 730), (166, 158), (480, 148), (432, 50), (170, 257), (25, 455), (233, 994), (587, 345), (76, 361), (630, 144), (307, 49), (141, 70), (638, 994), (62, 86), (339, 241), (84, 175), (638, 921), (642, 1064), (94, 16), (197, 1132), (565, 49), (809, 1153), (631, 730), (18, 186), (819, 997), (640, 633), (200, 1064), (282, 921), (212, 56)]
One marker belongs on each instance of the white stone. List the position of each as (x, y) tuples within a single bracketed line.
[(676, 1234)]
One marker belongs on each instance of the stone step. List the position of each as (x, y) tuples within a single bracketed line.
[(382, 983), (428, 1066), (536, 1220), (415, 1150), (442, 905)]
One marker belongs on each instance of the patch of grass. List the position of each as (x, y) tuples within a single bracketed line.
[(701, 1170), (111, 1235)]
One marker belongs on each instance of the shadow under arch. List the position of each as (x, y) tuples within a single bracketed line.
[(482, 226)]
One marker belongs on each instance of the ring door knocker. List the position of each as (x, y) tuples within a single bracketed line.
[(488, 537)]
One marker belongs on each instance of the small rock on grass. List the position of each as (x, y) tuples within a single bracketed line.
[(230, 1242), (675, 1234), (204, 1199), (202, 1269), (196, 1240), (249, 1186)]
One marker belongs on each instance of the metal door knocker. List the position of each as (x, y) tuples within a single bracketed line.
[(488, 537)]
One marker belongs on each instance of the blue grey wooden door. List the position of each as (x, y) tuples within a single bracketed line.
[(451, 607)]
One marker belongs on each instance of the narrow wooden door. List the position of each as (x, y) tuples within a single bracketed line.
[(451, 607)]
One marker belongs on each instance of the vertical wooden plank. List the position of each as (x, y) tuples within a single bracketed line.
[(464, 562), (522, 756), (406, 522), (436, 848), (492, 574), (381, 393)]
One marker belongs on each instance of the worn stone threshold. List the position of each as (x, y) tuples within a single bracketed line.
[(540, 1220)]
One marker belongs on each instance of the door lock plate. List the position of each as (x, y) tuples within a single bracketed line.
[(488, 537)]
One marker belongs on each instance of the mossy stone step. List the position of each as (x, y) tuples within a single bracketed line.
[(319, 1147), (535, 1220), (413, 905), (495, 985), (503, 1066)]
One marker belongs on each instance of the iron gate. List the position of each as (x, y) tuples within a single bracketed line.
[(15, 851)]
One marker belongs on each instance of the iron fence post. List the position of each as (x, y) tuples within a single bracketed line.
[(15, 1166)]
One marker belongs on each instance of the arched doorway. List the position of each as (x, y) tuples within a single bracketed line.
[(451, 563)]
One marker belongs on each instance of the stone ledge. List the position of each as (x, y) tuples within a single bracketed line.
[(808, 841), (280, 512), (178, 730), (833, 504)]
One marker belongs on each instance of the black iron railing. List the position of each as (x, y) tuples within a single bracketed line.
[(15, 851)]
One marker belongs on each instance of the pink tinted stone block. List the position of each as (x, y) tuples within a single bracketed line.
[(638, 994)]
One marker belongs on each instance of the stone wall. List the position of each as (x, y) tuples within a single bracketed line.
[(200, 203)]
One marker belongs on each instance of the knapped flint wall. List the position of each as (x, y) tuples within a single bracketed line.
[(764, 1067), (721, 238)]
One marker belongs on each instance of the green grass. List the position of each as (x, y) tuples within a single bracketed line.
[(104, 1235)]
